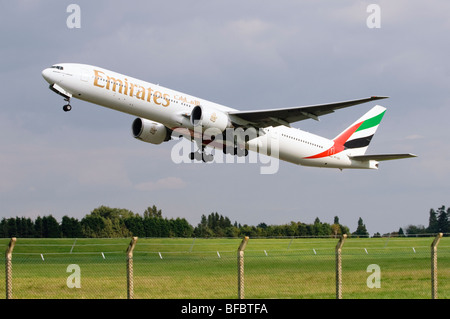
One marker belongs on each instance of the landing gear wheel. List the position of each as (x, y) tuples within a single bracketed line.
[(198, 156), (201, 157), (67, 107), (195, 156), (208, 157)]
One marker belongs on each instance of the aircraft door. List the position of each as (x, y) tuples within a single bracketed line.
[(84, 75)]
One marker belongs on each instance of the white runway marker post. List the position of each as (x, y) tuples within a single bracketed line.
[(73, 245)]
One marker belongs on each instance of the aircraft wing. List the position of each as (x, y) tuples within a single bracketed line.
[(381, 157), (285, 116)]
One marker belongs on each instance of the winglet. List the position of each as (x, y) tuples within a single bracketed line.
[(374, 97)]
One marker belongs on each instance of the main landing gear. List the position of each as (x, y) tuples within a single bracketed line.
[(67, 107), (201, 156)]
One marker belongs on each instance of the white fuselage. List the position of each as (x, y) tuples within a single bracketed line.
[(172, 109)]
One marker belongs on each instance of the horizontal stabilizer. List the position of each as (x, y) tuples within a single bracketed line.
[(381, 157)]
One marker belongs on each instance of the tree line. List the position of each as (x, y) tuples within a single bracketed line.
[(107, 222), (438, 222)]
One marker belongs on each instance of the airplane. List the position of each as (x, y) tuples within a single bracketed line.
[(163, 113)]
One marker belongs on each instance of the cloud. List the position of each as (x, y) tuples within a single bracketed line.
[(161, 184), (414, 137), (37, 161)]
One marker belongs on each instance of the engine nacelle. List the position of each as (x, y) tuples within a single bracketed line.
[(208, 118), (150, 131)]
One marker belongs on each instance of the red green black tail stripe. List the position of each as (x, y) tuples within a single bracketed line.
[(344, 140)]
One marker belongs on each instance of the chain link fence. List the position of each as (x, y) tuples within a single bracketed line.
[(226, 268)]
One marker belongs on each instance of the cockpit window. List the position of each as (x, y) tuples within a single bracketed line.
[(57, 67)]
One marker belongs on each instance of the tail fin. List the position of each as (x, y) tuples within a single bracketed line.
[(356, 137)]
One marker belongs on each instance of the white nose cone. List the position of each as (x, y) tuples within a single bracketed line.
[(47, 75)]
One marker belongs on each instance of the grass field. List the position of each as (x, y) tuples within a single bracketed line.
[(207, 268)]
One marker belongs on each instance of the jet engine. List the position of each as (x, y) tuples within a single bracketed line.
[(150, 131), (207, 118)]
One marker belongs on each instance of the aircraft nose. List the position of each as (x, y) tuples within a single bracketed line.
[(46, 74)]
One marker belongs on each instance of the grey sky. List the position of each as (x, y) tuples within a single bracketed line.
[(243, 54)]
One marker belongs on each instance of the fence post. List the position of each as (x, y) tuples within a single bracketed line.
[(434, 280), (240, 256), (339, 266), (130, 283), (8, 265)]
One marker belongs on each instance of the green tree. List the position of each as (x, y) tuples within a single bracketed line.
[(150, 227), (164, 227), (414, 231), (153, 212), (27, 226), (114, 228), (202, 229), (105, 221), (181, 228), (442, 220), (92, 225), (12, 227), (70, 227), (215, 225), (361, 229), (135, 225), (3, 228), (112, 213), (51, 228), (247, 230), (336, 229), (38, 227), (433, 225)]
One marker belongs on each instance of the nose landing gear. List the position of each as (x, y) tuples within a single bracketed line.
[(67, 107)]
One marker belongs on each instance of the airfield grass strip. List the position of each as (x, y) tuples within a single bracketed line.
[(207, 268)]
